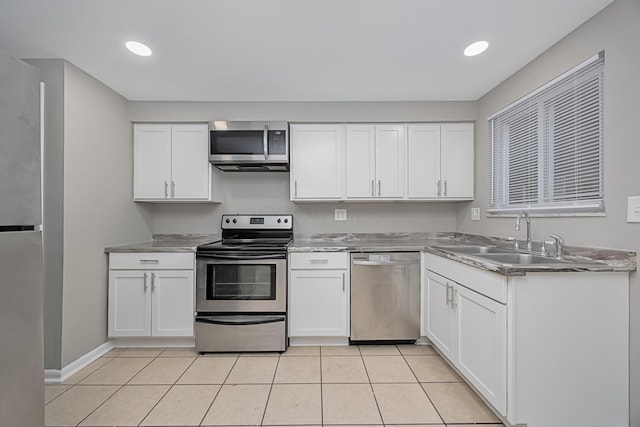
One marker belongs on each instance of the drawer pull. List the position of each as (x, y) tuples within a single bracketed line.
[(149, 261), (318, 261)]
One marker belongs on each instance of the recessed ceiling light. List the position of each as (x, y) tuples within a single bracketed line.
[(138, 48), (476, 48)]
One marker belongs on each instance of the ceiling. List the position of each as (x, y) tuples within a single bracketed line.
[(292, 50)]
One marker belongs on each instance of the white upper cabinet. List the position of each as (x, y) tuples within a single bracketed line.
[(374, 161), (171, 163), (423, 160), (316, 161), (360, 161), (440, 161), (457, 160), (152, 161), (190, 176), (378, 162)]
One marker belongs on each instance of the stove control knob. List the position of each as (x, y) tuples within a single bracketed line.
[(227, 221), (235, 220), (279, 220), (286, 220)]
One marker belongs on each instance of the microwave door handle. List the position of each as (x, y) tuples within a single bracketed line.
[(265, 137)]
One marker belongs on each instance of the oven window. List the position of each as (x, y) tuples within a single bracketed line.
[(241, 282)]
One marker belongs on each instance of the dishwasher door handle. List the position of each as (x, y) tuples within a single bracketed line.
[(363, 262)]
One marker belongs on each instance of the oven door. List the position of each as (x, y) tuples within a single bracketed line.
[(241, 283)]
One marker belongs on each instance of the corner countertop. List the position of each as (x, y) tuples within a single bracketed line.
[(443, 244), (167, 243)]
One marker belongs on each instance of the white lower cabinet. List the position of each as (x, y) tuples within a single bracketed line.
[(544, 349), (319, 297), (150, 301), (470, 330)]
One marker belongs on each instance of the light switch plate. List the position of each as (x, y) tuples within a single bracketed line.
[(341, 214), (633, 209), (475, 214)]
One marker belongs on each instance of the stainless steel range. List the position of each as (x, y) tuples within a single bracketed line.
[(241, 285)]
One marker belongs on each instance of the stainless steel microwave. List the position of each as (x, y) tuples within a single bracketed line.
[(249, 146)]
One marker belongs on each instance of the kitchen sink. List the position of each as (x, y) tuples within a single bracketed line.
[(520, 258), (478, 249)]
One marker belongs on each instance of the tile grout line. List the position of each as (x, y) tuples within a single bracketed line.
[(321, 390), (168, 390), (264, 413), (219, 390), (371, 386), (421, 387), (121, 386)]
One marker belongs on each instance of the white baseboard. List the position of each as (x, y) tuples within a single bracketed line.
[(59, 375)]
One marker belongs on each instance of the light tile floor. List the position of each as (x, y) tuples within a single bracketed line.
[(305, 386)]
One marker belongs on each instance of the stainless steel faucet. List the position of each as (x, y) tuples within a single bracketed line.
[(526, 217), (558, 243)]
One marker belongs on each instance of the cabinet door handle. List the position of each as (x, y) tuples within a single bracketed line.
[(173, 189), (343, 280), (153, 282), (454, 292), (379, 187), (373, 189), (166, 189), (447, 297), (439, 193), (295, 187), (445, 188), (146, 286)]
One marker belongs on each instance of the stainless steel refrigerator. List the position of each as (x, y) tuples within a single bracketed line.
[(21, 276)]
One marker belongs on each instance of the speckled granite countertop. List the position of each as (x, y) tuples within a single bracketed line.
[(167, 243), (443, 244)]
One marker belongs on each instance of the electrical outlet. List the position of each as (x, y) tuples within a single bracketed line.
[(341, 214), (633, 209), (475, 214)]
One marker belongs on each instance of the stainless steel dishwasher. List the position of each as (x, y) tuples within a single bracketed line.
[(385, 296)]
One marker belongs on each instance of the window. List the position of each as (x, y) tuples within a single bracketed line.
[(546, 148)]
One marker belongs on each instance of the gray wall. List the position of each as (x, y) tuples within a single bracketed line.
[(98, 212), (269, 192), (616, 30), (52, 73), (88, 191)]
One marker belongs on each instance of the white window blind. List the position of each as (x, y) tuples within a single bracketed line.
[(546, 148)]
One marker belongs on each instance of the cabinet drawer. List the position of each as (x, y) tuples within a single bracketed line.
[(319, 260), (151, 261)]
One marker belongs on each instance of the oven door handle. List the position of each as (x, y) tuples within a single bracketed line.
[(259, 320), (243, 257)]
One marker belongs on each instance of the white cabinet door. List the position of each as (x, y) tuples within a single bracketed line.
[(457, 160), (389, 161), (440, 319), (319, 303), (482, 344), (316, 161), (423, 160), (173, 303), (190, 170), (152, 161), (360, 161), (129, 303)]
